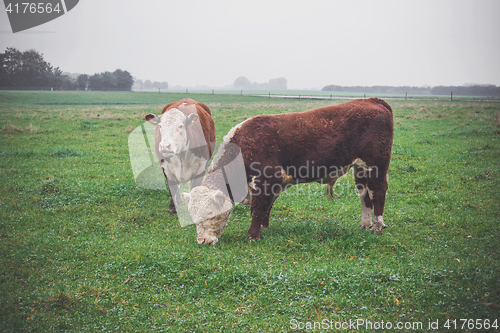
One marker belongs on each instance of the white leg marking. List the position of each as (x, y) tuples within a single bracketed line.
[(366, 216), (378, 224)]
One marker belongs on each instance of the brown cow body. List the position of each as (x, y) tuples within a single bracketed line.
[(319, 145), (192, 154)]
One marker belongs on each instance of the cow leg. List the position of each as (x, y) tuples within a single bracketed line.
[(171, 207), (261, 208), (265, 222), (329, 187), (378, 188), (175, 195), (174, 192), (170, 185), (364, 197)]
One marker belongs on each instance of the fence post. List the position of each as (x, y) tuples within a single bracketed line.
[(406, 96), (364, 96), (451, 99), (269, 94), (241, 92), (158, 90), (186, 91), (212, 91)]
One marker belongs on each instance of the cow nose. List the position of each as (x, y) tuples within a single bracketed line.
[(165, 147), (201, 240)]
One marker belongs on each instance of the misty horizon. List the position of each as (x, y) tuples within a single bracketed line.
[(312, 45)]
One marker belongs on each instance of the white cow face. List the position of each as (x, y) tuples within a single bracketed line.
[(210, 210), (173, 126)]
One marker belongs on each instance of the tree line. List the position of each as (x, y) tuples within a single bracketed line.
[(488, 90), (466, 90), (29, 70), (274, 84), (148, 84)]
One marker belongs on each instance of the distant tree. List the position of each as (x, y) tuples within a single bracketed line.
[(82, 81), (97, 82), (29, 70), (124, 80), (378, 89), (24, 69), (56, 78), (242, 83), (163, 85), (12, 68), (4, 77), (109, 80), (67, 83), (475, 90), (148, 84), (138, 84), (278, 84), (273, 84)]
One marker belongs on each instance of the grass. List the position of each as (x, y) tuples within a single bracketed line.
[(83, 249)]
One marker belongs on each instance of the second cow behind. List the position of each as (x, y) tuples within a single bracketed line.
[(183, 134)]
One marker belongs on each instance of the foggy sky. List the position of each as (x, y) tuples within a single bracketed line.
[(311, 43)]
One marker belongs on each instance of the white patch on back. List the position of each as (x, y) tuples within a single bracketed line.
[(222, 147)]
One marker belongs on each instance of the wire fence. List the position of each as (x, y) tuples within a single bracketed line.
[(294, 94), (325, 95)]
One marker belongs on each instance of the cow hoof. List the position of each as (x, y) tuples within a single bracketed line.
[(364, 227), (377, 228), (263, 228), (172, 211), (252, 239)]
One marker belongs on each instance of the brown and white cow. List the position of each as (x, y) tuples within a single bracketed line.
[(319, 145), (183, 134)]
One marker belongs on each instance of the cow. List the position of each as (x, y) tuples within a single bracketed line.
[(278, 151), (183, 136)]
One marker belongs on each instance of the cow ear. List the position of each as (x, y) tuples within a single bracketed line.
[(186, 197), (219, 199), (192, 118), (152, 119)]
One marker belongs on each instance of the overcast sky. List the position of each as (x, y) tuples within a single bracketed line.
[(310, 43)]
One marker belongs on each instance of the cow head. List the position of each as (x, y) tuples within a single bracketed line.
[(210, 210), (174, 128)]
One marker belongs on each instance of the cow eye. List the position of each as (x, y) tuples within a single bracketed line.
[(209, 213), (181, 126)]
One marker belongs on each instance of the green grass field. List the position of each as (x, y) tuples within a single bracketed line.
[(83, 249)]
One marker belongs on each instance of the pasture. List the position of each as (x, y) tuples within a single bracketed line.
[(83, 249)]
